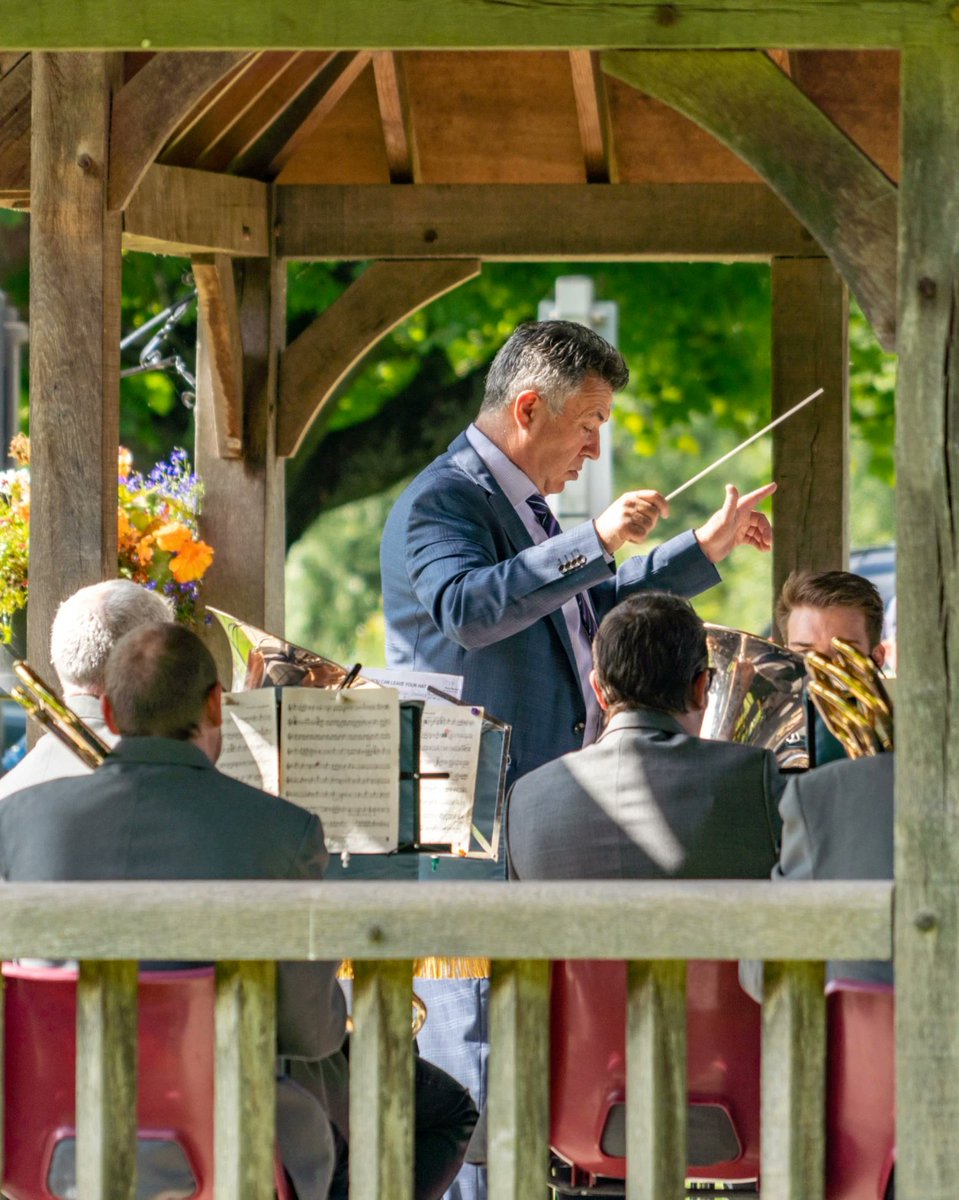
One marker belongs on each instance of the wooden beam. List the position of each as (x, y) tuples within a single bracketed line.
[(539, 222), (518, 1136), (148, 109), (331, 85), (836, 190), (216, 297), (383, 296), (478, 24), (927, 578), (106, 1080), (794, 1080), (196, 130), (15, 129), (381, 1082), (74, 337), (178, 211), (656, 1080), (628, 920), (398, 134), (810, 349), (247, 574), (592, 111), (245, 1093)]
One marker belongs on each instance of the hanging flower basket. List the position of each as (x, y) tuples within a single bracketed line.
[(157, 535)]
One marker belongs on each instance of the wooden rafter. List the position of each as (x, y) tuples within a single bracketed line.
[(15, 94), (517, 222), (592, 111), (188, 138), (267, 154), (398, 134), (252, 99), (148, 109), (217, 304), (312, 366), (479, 24), (831, 185)]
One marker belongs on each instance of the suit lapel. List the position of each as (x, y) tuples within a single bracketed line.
[(469, 462)]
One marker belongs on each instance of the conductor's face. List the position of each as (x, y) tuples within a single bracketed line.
[(555, 445)]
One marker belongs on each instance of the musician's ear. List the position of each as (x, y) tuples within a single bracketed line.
[(213, 706), (878, 654), (598, 690), (107, 709), (700, 691)]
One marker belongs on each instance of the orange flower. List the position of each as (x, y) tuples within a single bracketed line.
[(191, 561), (173, 536)]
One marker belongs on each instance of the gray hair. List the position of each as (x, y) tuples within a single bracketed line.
[(554, 359), (89, 624)]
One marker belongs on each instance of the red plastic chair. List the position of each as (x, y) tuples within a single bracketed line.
[(861, 1090), (174, 1086), (588, 1080)]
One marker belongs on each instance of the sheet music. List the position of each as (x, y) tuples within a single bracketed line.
[(415, 685), (250, 739), (449, 741), (341, 760)]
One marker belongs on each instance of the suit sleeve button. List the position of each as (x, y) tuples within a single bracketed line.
[(579, 727)]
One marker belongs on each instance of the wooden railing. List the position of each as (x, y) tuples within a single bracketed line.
[(247, 927)]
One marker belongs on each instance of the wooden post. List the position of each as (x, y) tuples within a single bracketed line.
[(381, 1082), (245, 1091), (794, 1081), (656, 1080), (518, 1079), (810, 349), (243, 514), (107, 1080), (927, 702), (74, 336)]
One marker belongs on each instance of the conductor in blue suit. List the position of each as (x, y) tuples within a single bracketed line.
[(480, 581)]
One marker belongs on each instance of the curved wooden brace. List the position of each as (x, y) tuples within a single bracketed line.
[(383, 296), (745, 101), (148, 109)]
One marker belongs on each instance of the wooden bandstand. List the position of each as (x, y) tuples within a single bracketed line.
[(429, 137)]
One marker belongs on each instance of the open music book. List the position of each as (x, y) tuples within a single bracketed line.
[(382, 773), (338, 755)]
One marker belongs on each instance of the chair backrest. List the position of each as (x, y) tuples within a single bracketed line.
[(861, 1090), (174, 1086), (587, 1123)]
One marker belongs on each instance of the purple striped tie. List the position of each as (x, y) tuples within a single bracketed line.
[(544, 514)]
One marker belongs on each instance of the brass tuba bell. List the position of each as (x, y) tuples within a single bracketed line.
[(756, 694)]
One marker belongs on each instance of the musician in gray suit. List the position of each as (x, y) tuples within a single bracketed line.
[(158, 809), (86, 628), (650, 799), (837, 824)]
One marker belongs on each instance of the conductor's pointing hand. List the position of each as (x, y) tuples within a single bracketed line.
[(737, 522)]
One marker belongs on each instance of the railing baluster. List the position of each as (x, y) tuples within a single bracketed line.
[(381, 1082), (518, 1128), (656, 1080), (106, 1080), (793, 1081), (245, 1092)]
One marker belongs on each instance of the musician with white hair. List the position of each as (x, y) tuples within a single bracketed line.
[(87, 626)]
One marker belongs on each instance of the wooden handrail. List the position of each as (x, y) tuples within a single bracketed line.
[(383, 927)]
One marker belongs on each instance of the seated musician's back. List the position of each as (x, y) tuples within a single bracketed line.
[(650, 799), (157, 809)]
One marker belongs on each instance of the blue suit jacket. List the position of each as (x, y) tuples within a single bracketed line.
[(466, 591)]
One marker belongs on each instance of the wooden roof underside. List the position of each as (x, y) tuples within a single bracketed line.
[(491, 117)]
